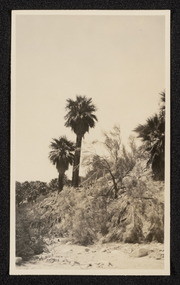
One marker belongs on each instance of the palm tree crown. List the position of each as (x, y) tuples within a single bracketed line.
[(80, 115), (153, 129), (62, 155), (152, 134)]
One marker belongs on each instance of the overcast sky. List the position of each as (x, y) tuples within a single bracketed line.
[(119, 61)]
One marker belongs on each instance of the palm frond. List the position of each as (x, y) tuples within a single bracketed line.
[(80, 116), (62, 153), (152, 134)]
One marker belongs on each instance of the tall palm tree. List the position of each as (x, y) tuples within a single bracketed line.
[(61, 155), (80, 118)]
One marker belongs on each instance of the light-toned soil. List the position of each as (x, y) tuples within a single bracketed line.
[(61, 254)]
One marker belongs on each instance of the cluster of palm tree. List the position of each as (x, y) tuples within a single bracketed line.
[(80, 118)]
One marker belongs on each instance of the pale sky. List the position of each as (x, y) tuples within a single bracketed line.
[(119, 61)]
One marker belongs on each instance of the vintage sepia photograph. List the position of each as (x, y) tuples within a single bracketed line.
[(90, 142)]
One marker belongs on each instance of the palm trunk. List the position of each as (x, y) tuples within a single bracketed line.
[(60, 182), (75, 177)]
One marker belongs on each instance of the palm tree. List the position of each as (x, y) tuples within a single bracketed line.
[(61, 155), (152, 134), (80, 118)]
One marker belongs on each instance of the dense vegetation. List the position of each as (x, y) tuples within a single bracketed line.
[(153, 135), (121, 198)]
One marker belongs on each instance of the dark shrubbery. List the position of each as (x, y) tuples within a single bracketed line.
[(29, 240), (30, 191), (152, 134)]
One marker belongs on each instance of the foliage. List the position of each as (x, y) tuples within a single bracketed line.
[(53, 184), (81, 221), (113, 144), (91, 214), (29, 241), (88, 215), (115, 165), (125, 163), (152, 134), (61, 155), (138, 214), (30, 191), (80, 116)]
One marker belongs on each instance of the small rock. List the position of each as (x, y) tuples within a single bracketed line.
[(156, 254), (68, 243), (140, 252), (72, 263), (51, 260), (159, 257), (100, 264), (104, 250), (89, 265), (76, 262), (109, 264), (87, 249), (37, 257), (18, 260)]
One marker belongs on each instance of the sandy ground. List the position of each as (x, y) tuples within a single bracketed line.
[(61, 254)]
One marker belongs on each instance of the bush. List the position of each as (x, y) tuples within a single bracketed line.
[(81, 216), (30, 191), (28, 240), (88, 214), (138, 213)]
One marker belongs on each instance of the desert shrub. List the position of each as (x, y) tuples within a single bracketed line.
[(138, 213), (82, 215), (23, 240), (124, 223), (82, 232), (155, 216), (28, 241), (77, 214), (30, 191), (87, 214)]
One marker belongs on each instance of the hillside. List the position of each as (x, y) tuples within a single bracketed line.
[(90, 215)]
